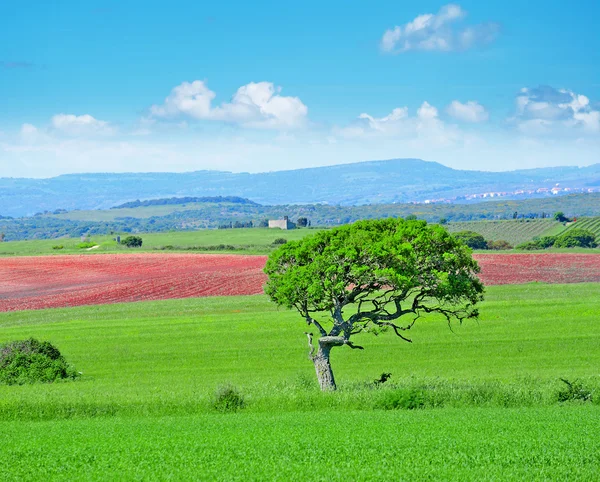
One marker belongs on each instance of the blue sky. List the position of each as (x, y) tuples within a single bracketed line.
[(257, 86)]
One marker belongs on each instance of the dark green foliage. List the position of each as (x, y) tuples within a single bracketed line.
[(560, 217), (574, 391), (228, 398), (499, 245), (576, 238), (132, 241), (443, 221), (58, 246), (411, 217), (30, 361), (279, 241), (472, 239), (407, 399), (186, 200), (302, 222)]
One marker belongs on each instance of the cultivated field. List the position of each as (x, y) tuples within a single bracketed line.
[(513, 231), (485, 394), (58, 281)]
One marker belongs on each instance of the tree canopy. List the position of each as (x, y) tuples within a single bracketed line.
[(367, 276), (472, 239)]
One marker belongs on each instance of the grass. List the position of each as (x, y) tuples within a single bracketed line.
[(168, 357), (143, 407), (550, 443), (245, 240)]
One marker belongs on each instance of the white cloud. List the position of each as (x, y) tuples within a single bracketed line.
[(256, 105), (545, 110), (438, 32), (471, 111), (82, 125), (424, 128)]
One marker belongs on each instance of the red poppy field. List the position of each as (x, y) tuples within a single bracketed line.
[(59, 281)]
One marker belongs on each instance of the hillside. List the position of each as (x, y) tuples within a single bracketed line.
[(391, 181), (513, 231), (194, 216)]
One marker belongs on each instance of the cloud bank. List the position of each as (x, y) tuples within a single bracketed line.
[(438, 32)]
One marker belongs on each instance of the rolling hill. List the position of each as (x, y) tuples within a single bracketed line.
[(390, 181)]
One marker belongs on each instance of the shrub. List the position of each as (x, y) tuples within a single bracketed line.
[(576, 238), (30, 361), (410, 217), (540, 243), (132, 241), (472, 239), (279, 241), (499, 245), (86, 244), (407, 399), (574, 391), (560, 217), (228, 399), (58, 246)]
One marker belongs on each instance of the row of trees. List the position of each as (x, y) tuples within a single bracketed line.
[(574, 238)]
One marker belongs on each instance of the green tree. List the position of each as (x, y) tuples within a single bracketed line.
[(560, 217), (472, 239), (576, 238), (132, 241), (372, 276), (302, 222)]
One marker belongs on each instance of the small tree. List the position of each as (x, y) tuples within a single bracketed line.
[(472, 239), (302, 222), (367, 276), (132, 241), (576, 238), (560, 217)]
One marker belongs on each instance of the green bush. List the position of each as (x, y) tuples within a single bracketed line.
[(58, 246), (544, 242), (31, 361), (132, 241), (472, 239), (407, 399), (574, 391), (86, 244), (279, 241), (499, 245), (228, 399), (576, 238)]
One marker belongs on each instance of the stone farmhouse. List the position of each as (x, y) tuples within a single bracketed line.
[(284, 223)]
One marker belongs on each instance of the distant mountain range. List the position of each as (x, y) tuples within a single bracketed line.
[(391, 181)]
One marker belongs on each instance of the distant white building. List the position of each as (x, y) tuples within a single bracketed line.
[(284, 223)]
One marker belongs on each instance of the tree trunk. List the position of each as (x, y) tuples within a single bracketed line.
[(322, 363), (323, 369)]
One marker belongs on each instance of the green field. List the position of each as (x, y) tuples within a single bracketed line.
[(143, 406), (245, 240)]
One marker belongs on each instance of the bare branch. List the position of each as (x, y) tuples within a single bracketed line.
[(311, 353)]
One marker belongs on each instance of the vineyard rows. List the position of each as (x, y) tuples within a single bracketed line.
[(513, 231), (590, 224)]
